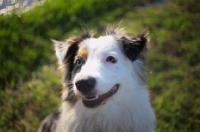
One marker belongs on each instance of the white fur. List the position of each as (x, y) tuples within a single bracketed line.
[(126, 111), (61, 50)]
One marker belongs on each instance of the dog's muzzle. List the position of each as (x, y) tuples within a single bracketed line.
[(86, 86)]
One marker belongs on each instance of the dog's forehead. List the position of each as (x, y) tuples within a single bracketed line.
[(100, 44)]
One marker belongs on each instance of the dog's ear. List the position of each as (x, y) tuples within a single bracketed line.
[(61, 49), (135, 46), (66, 50)]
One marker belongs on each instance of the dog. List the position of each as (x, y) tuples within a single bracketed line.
[(104, 83)]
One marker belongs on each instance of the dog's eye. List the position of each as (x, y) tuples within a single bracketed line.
[(79, 62), (111, 59)]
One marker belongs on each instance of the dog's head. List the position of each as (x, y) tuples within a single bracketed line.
[(95, 69)]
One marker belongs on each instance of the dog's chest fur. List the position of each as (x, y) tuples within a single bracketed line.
[(113, 116)]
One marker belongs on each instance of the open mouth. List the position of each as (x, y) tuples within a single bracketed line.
[(94, 101)]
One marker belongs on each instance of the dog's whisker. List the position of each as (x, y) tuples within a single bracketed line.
[(70, 96), (69, 83)]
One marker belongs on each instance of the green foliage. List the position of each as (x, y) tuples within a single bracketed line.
[(27, 34), (30, 84), (22, 109), (174, 62)]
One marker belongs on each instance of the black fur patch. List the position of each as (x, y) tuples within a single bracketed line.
[(49, 123), (68, 63), (133, 45)]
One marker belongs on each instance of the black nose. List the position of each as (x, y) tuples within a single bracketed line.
[(86, 85)]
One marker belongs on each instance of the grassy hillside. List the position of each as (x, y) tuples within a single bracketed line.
[(30, 81)]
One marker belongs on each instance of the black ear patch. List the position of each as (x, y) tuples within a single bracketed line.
[(134, 45)]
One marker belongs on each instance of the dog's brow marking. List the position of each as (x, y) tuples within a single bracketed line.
[(83, 53)]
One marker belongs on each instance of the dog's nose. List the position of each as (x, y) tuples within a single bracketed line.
[(86, 85)]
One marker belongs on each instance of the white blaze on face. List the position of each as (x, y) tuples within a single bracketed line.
[(107, 74)]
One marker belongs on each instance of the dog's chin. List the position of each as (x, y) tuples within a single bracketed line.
[(94, 101)]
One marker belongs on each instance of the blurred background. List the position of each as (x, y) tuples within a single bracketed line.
[(30, 86)]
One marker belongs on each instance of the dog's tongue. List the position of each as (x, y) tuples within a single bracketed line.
[(114, 88)]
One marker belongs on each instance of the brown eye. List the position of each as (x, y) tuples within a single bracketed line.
[(111, 59)]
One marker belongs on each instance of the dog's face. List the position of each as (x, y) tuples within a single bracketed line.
[(95, 69)]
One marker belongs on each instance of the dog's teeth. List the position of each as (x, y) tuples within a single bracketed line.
[(90, 98)]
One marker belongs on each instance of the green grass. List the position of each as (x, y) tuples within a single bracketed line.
[(30, 81)]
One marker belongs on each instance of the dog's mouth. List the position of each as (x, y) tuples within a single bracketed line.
[(93, 101)]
